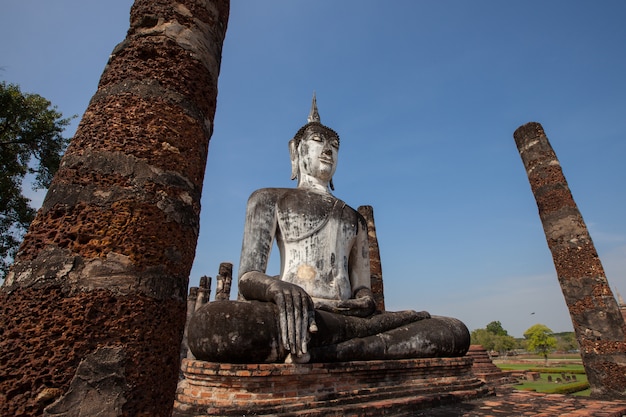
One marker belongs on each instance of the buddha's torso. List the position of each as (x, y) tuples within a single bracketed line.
[(316, 233)]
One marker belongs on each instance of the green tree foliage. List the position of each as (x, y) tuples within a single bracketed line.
[(504, 343), (483, 337), (30, 144), (566, 341), (495, 327), (540, 339), (493, 338)]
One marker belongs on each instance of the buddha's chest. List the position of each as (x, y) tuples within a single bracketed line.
[(305, 215)]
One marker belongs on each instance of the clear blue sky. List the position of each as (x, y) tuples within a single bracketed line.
[(425, 96)]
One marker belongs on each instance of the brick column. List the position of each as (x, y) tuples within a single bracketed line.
[(376, 269), (598, 324), (99, 285)]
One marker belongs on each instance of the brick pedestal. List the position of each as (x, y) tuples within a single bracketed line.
[(485, 369), (367, 388)]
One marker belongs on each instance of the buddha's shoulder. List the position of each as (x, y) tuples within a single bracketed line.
[(267, 195), (300, 197)]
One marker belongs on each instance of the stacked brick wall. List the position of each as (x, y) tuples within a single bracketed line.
[(106, 261), (314, 389), (485, 369)]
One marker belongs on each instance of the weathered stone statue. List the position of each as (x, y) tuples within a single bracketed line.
[(320, 307)]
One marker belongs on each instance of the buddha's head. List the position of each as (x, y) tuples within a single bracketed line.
[(314, 149)]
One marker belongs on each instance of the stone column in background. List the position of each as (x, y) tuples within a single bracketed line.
[(204, 292), (376, 269), (198, 296), (192, 299), (101, 277), (598, 324), (224, 281)]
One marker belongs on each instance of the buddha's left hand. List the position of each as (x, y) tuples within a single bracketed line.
[(362, 305)]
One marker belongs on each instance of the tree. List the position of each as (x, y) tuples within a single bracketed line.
[(495, 327), (484, 338), (540, 339), (566, 341), (30, 143), (504, 343), (493, 338)]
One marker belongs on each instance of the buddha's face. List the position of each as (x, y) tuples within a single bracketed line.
[(317, 153)]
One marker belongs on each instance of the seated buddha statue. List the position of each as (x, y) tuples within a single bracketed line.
[(320, 308)]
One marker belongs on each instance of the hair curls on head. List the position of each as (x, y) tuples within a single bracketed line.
[(300, 133)]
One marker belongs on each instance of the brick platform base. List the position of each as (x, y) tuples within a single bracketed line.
[(367, 388)]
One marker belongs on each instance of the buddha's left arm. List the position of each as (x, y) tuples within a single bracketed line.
[(362, 300), (359, 262)]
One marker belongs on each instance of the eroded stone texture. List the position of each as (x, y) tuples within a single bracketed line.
[(46, 333), (97, 387), (118, 228), (596, 317)]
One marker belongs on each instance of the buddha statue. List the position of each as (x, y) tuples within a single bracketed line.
[(320, 308)]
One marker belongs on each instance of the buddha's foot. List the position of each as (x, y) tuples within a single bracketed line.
[(305, 358)]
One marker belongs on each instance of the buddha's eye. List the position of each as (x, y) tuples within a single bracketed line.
[(334, 143), (316, 138)]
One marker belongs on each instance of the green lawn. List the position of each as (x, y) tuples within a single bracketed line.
[(543, 384), (535, 365), (583, 393)]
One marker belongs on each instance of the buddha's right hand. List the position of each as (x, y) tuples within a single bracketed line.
[(296, 315)]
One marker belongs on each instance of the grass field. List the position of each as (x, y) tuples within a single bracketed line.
[(544, 385), (570, 366), (554, 369)]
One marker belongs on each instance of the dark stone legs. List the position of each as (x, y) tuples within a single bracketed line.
[(247, 332)]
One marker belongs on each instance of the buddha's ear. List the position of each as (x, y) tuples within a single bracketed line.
[(293, 155), (332, 186)]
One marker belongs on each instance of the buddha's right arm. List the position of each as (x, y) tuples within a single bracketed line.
[(259, 230), (253, 285)]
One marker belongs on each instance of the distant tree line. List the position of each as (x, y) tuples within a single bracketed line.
[(494, 338), (537, 339)]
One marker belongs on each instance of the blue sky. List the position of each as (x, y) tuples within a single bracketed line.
[(425, 97)]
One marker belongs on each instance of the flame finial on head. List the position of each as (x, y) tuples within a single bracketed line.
[(314, 115), (313, 120)]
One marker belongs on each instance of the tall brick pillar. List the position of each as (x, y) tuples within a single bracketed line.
[(598, 324), (93, 311), (376, 269)]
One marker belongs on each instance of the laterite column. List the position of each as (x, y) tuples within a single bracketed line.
[(93, 311), (376, 269), (598, 324)]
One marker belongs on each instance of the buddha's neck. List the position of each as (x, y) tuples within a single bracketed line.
[(314, 184)]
